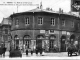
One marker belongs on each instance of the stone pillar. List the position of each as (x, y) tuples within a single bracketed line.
[(58, 42), (33, 44), (20, 43)]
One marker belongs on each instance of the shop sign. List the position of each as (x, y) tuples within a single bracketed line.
[(56, 32), (47, 33), (63, 32), (51, 31), (42, 31), (68, 33)]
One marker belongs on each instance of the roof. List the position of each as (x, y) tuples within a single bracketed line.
[(48, 11)]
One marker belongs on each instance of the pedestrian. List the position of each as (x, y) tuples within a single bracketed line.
[(31, 49), (4, 50), (26, 51), (31, 52), (36, 51), (40, 50), (1, 51)]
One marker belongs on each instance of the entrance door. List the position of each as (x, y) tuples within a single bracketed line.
[(17, 43), (63, 45), (51, 45), (39, 41), (39, 44), (27, 43)]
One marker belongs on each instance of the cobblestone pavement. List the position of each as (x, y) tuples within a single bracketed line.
[(62, 55)]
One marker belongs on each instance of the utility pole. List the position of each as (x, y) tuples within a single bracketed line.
[(59, 33), (59, 43)]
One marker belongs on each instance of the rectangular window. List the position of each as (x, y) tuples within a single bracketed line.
[(40, 20), (16, 22), (63, 22), (27, 21), (72, 24), (78, 25), (6, 31), (52, 21)]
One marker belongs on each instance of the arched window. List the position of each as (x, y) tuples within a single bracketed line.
[(72, 38), (51, 42), (40, 37), (16, 41), (52, 37), (16, 37), (26, 37), (63, 43)]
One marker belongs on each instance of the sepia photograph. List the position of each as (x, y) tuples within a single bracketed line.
[(39, 29)]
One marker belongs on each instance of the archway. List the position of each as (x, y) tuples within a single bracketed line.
[(63, 45), (72, 38), (39, 39), (16, 41), (78, 42), (51, 42), (26, 41)]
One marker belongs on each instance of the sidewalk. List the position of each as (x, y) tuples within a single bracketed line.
[(60, 54), (44, 56)]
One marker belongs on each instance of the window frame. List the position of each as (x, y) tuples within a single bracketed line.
[(63, 22), (27, 21), (17, 22), (52, 24), (78, 25), (72, 24), (39, 21)]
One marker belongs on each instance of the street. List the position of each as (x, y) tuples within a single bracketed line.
[(61, 55)]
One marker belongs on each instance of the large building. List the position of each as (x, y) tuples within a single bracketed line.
[(5, 34), (44, 28)]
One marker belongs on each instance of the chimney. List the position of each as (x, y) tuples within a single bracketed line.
[(60, 10), (41, 7)]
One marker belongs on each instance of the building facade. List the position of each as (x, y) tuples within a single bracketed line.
[(6, 33), (45, 29)]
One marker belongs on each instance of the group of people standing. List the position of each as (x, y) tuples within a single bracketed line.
[(2, 51), (18, 53), (36, 51)]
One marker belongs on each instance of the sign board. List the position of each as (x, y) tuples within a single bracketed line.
[(56, 32), (51, 31), (63, 32), (42, 31), (75, 5), (47, 33), (68, 33)]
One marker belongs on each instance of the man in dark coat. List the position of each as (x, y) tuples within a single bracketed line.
[(26, 51), (4, 50), (1, 51)]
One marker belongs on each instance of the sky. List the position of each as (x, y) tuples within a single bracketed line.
[(7, 10)]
